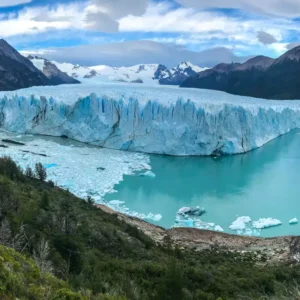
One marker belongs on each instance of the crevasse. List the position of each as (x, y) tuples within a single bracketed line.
[(135, 121)]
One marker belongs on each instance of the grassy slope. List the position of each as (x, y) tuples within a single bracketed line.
[(95, 252)]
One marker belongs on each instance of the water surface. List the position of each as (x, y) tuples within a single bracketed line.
[(262, 183)]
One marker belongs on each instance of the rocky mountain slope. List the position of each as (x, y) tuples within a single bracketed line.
[(51, 71), (260, 77), (17, 71)]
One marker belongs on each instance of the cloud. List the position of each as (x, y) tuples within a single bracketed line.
[(286, 8), (8, 3), (103, 15), (138, 52), (266, 38), (101, 22), (292, 45)]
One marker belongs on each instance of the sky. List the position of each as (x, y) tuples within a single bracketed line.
[(128, 32)]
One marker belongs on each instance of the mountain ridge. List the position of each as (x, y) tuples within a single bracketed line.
[(260, 77)]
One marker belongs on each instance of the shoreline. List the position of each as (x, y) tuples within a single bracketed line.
[(282, 249)]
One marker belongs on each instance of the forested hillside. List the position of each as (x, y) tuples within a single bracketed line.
[(94, 255)]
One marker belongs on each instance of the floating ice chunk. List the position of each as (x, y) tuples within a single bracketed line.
[(240, 223), (266, 223), (116, 202), (218, 228), (154, 217), (197, 211), (148, 174), (293, 221)]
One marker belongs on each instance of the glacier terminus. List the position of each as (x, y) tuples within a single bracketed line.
[(160, 120)]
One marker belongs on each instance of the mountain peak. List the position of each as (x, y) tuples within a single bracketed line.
[(293, 54), (258, 62)]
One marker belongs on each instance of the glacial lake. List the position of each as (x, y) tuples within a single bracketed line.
[(264, 183)]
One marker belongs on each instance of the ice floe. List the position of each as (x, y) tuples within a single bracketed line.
[(240, 223), (190, 211), (293, 221), (245, 226), (83, 170), (266, 223)]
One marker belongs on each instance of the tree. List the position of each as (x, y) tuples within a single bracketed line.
[(29, 172), (40, 256), (44, 200), (40, 172)]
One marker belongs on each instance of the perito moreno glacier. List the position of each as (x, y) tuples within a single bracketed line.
[(161, 120)]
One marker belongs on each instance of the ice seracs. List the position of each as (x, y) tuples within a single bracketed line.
[(160, 120)]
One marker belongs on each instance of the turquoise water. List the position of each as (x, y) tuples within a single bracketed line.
[(260, 184)]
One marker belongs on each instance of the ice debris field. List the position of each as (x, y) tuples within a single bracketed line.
[(92, 171), (160, 120)]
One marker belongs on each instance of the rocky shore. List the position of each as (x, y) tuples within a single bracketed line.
[(275, 250)]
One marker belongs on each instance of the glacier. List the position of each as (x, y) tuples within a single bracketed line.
[(159, 120)]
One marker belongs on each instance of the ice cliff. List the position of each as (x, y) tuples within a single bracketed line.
[(161, 120)]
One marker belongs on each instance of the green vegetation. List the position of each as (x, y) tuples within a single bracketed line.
[(94, 255)]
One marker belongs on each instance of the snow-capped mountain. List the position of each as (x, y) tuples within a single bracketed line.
[(143, 73), (150, 73), (76, 71), (135, 74), (179, 74), (50, 70)]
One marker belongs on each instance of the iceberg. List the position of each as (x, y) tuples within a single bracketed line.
[(266, 223), (293, 221), (240, 223), (160, 120), (190, 211)]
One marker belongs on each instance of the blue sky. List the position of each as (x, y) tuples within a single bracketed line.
[(113, 27)]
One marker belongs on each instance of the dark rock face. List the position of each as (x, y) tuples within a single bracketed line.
[(17, 71), (92, 74), (161, 72), (178, 75), (54, 75), (260, 77)]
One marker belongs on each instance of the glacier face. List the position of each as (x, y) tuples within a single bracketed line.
[(162, 120)]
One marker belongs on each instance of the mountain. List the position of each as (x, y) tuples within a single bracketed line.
[(51, 71), (17, 71), (76, 71), (179, 74), (143, 73), (261, 77)]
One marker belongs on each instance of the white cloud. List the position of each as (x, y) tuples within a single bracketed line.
[(8, 3), (137, 52), (287, 8), (103, 15)]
